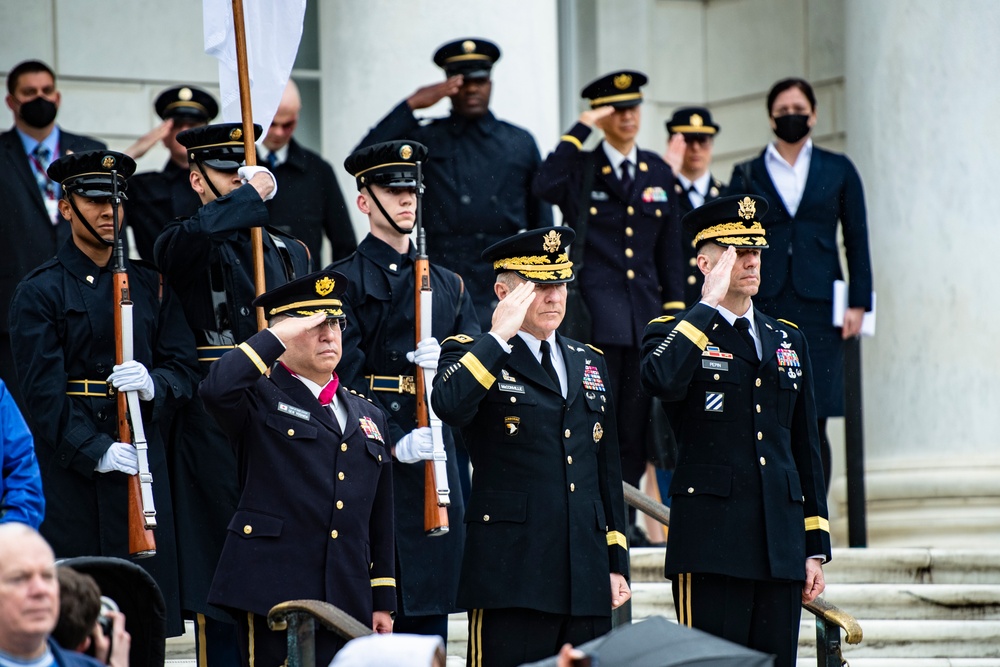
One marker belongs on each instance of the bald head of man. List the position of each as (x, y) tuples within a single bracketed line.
[(29, 591), (286, 118)]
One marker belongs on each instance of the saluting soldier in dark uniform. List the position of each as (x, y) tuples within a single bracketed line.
[(479, 170), (209, 260), (315, 515), (63, 335), (749, 529), (160, 196), (378, 344), (624, 197), (545, 553), (695, 183)]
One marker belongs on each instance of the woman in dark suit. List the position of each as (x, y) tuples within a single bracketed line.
[(809, 191)]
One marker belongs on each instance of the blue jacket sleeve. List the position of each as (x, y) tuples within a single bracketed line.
[(21, 497)]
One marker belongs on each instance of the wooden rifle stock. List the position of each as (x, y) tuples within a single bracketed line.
[(141, 542)]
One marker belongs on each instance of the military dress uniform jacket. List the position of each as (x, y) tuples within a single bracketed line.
[(632, 260), (694, 278), (309, 204), (379, 305), (315, 514), (62, 329), (478, 177), (802, 252), (154, 199), (748, 495), (24, 218), (546, 518)]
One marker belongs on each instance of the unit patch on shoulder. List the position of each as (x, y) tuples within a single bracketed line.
[(459, 338)]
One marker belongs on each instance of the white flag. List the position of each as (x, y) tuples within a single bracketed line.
[(273, 31)]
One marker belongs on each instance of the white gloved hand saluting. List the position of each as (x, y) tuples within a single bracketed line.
[(133, 376), (120, 456), (417, 445), (427, 354), (247, 174)]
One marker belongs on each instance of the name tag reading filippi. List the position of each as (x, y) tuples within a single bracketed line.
[(715, 365), (513, 388), (293, 411)]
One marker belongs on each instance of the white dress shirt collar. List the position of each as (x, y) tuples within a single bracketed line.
[(616, 158), (555, 354), (789, 180)]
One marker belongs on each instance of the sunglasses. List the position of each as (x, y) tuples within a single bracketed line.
[(701, 139)]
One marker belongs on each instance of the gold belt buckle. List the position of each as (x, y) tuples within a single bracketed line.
[(407, 385)]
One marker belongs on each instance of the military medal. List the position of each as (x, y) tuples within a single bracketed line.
[(592, 379), (598, 432), (370, 429), (787, 357)]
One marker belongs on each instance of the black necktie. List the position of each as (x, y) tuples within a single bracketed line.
[(742, 325), (272, 160), (547, 365), (626, 177), (692, 191)]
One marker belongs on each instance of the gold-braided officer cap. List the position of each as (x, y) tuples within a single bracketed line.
[(619, 89), (318, 292), (728, 221), (539, 255)]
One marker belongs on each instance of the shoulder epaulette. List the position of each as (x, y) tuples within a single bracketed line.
[(595, 349), (661, 320), (791, 324), (459, 338)]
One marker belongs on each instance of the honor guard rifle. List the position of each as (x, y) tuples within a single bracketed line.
[(437, 494), (141, 510)]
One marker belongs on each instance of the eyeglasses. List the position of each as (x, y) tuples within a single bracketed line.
[(334, 323)]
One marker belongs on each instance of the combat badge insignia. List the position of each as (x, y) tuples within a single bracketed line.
[(507, 376), (512, 425), (747, 208), (598, 432), (370, 429), (325, 285), (551, 241), (592, 379), (714, 401), (405, 151), (236, 134), (623, 81)]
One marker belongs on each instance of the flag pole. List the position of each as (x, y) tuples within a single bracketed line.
[(249, 148)]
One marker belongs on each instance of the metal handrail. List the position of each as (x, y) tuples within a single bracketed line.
[(830, 619)]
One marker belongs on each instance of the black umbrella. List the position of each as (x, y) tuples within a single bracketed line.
[(138, 597), (656, 642)]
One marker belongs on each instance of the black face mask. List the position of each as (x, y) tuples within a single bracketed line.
[(39, 112), (791, 128)]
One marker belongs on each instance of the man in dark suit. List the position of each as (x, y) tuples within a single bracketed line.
[(695, 183), (209, 261), (157, 197), (315, 514), (309, 204), (537, 415), (28, 197), (378, 359), (479, 168), (749, 529), (621, 200)]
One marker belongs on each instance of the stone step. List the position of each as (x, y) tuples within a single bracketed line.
[(866, 601), (884, 566), (912, 662)]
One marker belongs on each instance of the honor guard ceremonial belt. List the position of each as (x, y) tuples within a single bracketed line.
[(91, 388), (210, 353), (397, 384)]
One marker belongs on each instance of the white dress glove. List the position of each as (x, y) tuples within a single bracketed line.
[(417, 445), (427, 354), (133, 376), (247, 173), (120, 456)]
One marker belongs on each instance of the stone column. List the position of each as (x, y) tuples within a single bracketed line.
[(922, 111)]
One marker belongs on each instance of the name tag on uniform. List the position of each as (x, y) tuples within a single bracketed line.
[(512, 388), (293, 411), (597, 195), (715, 364)]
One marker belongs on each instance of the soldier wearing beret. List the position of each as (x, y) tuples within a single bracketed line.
[(63, 336), (479, 168), (160, 196), (621, 201), (692, 131), (537, 414), (209, 259), (380, 360), (315, 513), (749, 529)]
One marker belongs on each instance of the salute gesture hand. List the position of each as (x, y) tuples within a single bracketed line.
[(510, 312)]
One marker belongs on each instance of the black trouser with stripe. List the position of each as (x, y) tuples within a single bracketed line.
[(262, 647), (511, 637), (762, 615)]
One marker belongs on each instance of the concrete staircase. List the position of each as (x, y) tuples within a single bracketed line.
[(917, 607)]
